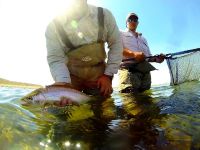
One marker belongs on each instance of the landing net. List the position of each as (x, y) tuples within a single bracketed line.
[(184, 66)]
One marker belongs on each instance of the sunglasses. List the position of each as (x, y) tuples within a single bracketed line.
[(132, 20)]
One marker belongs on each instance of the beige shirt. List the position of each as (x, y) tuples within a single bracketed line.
[(138, 44), (80, 32)]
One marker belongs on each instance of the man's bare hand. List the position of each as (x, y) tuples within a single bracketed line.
[(139, 56)]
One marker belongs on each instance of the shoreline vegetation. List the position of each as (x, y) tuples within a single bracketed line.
[(8, 83)]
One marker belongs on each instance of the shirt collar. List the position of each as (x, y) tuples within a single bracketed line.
[(129, 32)]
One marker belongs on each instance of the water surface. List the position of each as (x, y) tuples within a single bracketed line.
[(164, 118)]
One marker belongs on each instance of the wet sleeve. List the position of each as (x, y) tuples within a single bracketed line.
[(56, 56), (114, 44)]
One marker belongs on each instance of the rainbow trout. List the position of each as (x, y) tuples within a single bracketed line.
[(52, 94)]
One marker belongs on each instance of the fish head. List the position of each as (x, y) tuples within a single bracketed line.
[(29, 98), (26, 100)]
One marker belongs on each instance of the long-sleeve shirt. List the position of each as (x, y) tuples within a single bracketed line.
[(136, 44), (80, 32)]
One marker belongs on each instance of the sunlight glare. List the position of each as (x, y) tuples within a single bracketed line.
[(23, 46), (67, 143), (78, 145), (95, 2)]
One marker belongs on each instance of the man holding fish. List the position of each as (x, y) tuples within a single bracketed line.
[(76, 53)]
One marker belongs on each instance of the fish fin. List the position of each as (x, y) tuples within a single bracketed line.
[(47, 105)]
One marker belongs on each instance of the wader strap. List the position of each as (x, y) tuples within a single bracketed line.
[(63, 36), (101, 24)]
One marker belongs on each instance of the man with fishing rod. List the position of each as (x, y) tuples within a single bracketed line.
[(135, 68)]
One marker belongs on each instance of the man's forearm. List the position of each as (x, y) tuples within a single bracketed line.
[(59, 70)]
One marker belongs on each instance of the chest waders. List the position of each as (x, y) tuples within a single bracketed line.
[(85, 62), (135, 77)]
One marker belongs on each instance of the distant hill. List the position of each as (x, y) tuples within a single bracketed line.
[(8, 83)]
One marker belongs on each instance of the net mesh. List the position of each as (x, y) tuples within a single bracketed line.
[(184, 67)]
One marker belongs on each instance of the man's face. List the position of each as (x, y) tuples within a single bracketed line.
[(132, 22)]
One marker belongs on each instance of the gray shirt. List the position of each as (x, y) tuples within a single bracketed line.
[(135, 44), (82, 31)]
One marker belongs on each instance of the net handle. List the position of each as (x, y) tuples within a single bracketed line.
[(183, 52), (169, 55)]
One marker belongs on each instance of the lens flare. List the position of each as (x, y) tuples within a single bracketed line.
[(78, 145), (67, 144), (74, 24)]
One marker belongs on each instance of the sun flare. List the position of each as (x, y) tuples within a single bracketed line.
[(22, 47)]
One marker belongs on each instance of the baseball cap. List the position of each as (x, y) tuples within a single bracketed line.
[(131, 15)]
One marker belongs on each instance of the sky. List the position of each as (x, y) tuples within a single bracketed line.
[(168, 25)]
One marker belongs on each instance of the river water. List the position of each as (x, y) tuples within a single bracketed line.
[(164, 118)]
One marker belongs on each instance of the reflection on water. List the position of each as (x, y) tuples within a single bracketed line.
[(163, 118)]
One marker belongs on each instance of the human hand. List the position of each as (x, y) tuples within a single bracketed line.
[(65, 102), (104, 83), (139, 56), (160, 58)]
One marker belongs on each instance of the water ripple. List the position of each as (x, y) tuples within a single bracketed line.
[(9, 94)]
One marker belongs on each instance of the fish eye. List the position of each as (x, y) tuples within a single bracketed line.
[(28, 98)]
